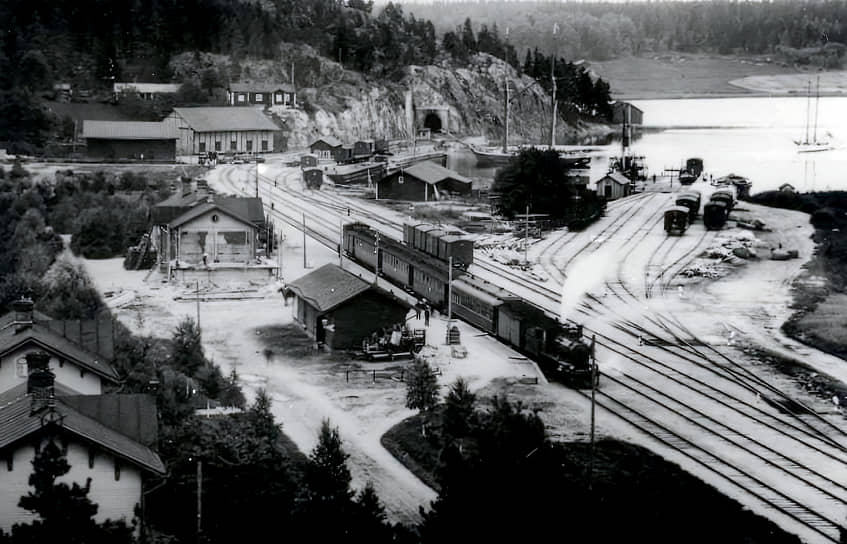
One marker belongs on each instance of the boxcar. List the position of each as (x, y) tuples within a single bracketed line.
[(676, 219), (715, 213), (459, 248), (692, 203)]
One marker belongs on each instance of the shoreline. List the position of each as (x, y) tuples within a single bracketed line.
[(698, 96)]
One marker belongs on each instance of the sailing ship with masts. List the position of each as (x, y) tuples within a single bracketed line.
[(492, 156), (806, 145)]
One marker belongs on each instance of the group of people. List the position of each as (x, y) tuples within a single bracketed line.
[(210, 159), (422, 306)]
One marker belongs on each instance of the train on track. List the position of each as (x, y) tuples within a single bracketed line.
[(691, 200), (676, 219), (716, 211), (419, 264)]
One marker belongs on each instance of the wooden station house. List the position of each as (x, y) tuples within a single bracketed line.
[(339, 309)]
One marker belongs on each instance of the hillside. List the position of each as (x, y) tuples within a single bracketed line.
[(348, 104)]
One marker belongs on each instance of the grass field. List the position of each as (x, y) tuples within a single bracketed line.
[(826, 326), (689, 76)]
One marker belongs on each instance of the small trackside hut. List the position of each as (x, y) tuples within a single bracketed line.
[(613, 185), (338, 309)]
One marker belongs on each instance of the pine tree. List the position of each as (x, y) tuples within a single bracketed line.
[(421, 387), (369, 524), (187, 353), (460, 411), (66, 513), (327, 478)]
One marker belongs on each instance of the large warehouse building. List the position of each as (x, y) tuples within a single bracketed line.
[(222, 129)]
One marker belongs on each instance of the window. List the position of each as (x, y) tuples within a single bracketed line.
[(242, 98), (91, 458), (117, 470), (202, 147), (233, 145), (217, 145), (264, 145), (10, 461), (249, 145), (21, 367), (259, 97), (278, 98)]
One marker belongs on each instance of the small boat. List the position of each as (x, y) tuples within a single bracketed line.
[(742, 185), (495, 156)]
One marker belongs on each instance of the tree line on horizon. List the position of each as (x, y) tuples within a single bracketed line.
[(605, 30)]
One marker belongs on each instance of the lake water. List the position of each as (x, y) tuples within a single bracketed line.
[(752, 137)]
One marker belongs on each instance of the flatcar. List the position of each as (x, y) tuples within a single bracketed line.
[(715, 214), (692, 203), (676, 219), (695, 166)]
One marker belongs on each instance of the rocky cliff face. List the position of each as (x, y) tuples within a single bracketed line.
[(350, 106)]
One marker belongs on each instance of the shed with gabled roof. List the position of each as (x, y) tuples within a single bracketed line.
[(262, 94), (110, 140), (339, 309), (424, 181), (613, 185)]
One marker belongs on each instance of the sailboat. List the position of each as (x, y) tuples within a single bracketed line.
[(813, 145), (488, 156)]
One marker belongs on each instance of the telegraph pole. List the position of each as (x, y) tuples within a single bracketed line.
[(197, 293), (376, 260), (593, 402), (257, 180), (526, 237), (304, 240), (449, 292), (199, 500)]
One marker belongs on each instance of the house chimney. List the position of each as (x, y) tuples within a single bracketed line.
[(23, 313), (40, 380)]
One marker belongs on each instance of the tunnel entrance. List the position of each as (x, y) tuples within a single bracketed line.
[(432, 121)]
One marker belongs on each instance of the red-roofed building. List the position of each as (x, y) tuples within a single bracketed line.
[(339, 309)]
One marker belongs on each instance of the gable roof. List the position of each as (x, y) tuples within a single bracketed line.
[(328, 287), (133, 415), (17, 422), (617, 177), (432, 173), (128, 130), (261, 87), (328, 140), (176, 205), (147, 87), (214, 119), (49, 340), (206, 207)]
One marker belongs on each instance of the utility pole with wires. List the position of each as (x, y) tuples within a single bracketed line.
[(304, 241), (376, 260), (197, 296), (526, 236), (199, 501), (593, 403)]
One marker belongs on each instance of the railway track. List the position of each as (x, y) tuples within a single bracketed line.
[(826, 529), (704, 393)]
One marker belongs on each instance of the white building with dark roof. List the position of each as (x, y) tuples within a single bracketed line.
[(222, 129)]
